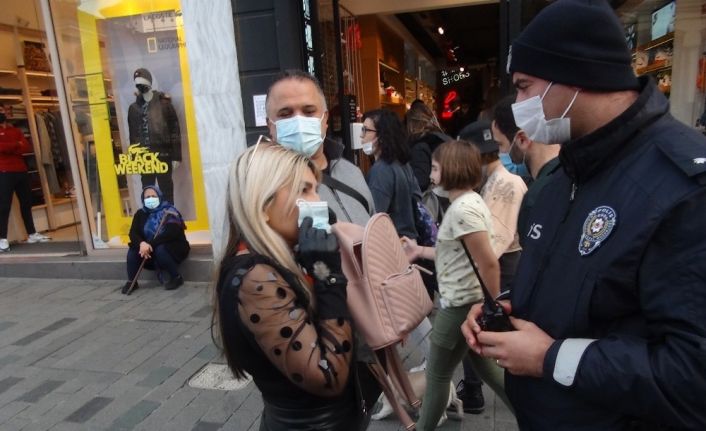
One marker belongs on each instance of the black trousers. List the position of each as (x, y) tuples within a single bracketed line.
[(164, 181), (15, 182)]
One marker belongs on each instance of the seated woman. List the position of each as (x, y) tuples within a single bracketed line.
[(281, 314), (456, 166), (157, 237)]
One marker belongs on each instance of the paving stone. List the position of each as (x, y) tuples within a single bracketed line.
[(40, 391), (88, 410), (5, 325), (9, 359), (157, 376), (206, 426), (8, 382), (134, 416)]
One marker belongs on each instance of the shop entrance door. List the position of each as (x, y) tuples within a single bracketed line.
[(41, 177)]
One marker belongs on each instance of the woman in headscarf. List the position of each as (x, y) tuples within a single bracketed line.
[(157, 236)]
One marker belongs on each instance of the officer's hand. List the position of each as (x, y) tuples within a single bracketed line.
[(521, 352), (470, 326), (315, 245)]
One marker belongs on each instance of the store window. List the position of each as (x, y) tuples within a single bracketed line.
[(40, 178), (125, 66), (668, 42)]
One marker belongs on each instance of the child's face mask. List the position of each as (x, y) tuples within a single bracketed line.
[(318, 211)]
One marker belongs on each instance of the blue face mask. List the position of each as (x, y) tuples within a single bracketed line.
[(151, 202), (300, 134)]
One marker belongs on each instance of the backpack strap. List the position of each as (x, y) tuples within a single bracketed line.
[(345, 188)]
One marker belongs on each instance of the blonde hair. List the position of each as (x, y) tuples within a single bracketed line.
[(253, 181)]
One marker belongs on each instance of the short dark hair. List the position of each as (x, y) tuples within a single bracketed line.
[(504, 119), (460, 164), (298, 75), (391, 135)]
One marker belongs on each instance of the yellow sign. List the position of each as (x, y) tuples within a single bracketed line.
[(140, 161)]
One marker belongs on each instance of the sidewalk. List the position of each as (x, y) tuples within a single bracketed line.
[(78, 355)]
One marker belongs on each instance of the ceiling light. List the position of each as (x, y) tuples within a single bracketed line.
[(461, 69), (440, 30)]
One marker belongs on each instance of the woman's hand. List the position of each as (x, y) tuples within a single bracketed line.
[(411, 248), (145, 250), (317, 247)]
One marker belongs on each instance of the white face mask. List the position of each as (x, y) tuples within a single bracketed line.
[(440, 191), (151, 202), (529, 116), (368, 147), (300, 134), (318, 211)]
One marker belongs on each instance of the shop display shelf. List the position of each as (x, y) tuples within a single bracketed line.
[(8, 72), (653, 69), (38, 74), (16, 97)]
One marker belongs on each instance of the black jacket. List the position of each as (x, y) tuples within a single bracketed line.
[(171, 235), (164, 133), (638, 290), (420, 156)]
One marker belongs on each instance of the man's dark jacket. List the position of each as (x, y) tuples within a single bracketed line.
[(638, 289), (164, 134)]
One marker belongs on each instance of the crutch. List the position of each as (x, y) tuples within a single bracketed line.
[(144, 259)]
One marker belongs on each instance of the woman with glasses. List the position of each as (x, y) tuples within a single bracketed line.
[(390, 179), (280, 300)]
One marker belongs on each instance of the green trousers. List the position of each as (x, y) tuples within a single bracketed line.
[(448, 347)]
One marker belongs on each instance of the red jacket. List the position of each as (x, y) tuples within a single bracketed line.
[(12, 145)]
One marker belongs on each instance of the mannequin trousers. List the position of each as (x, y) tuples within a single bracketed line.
[(164, 181)]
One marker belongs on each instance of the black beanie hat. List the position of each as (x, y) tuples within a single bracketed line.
[(575, 42), (142, 73)]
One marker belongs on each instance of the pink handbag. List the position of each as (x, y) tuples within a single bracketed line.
[(386, 295)]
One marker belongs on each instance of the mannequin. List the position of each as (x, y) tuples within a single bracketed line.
[(153, 124)]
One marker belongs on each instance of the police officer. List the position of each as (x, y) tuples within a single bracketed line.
[(609, 302)]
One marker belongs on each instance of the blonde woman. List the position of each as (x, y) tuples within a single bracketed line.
[(290, 331)]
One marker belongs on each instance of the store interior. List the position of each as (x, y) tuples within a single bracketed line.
[(28, 92)]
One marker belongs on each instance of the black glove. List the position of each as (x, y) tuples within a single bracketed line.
[(318, 252)]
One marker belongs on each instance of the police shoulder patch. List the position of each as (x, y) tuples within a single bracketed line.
[(596, 229)]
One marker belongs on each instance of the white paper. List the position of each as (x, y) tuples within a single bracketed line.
[(258, 102)]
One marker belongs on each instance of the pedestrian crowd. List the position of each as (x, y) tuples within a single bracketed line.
[(565, 239), (560, 234)]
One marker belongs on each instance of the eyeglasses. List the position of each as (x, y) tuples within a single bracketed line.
[(366, 130), (257, 144)]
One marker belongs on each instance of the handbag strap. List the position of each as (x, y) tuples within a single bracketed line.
[(345, 188), (486, 293)]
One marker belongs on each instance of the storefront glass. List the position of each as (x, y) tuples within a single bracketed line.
[(126, 72), (668, 40), (42, 177)]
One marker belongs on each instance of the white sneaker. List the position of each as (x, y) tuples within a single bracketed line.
[(4, 245), (37, 237)]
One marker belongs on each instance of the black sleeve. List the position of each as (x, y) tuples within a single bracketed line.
[(313, 353), (174, 132), (420, 160), (133, 123), (663, 377), (136, 232), (170, 232)]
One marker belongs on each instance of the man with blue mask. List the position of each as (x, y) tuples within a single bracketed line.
[(538, 159), (608, 300), (505, 132), (297, 118)]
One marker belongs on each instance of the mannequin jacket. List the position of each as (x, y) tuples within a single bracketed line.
[(614, 269), (163, 125)]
